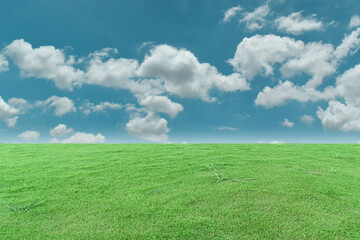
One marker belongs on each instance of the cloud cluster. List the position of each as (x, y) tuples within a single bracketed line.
[(164, 70), (167, 71), (314, 59)]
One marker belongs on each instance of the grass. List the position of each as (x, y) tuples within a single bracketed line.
[(185, 191)]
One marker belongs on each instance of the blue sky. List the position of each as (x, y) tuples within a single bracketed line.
[(179, 71)]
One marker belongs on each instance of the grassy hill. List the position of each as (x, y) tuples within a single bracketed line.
[(179, 191)]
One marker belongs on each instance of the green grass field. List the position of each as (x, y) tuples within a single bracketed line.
[(179, 191)]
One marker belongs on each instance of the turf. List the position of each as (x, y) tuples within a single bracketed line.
[(179, 191)]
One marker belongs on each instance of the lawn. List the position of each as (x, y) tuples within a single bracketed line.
[(179, 191)]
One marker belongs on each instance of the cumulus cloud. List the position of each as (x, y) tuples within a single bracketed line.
[(101, 107), (44, 62), (112, 73), (256, 19), (297, 24), (259, 53), (62, 105), (161, 104), (151, 128), (60, 130), (29, 135), (286, 91), (184, 75), (339, 116), (165, 69), (344, 116), (307, 119), (4, 64), (20, 103), (224, 128), (8, 113), (81, 137), (319, 61), (230, 13), (314, 60), (287, 123), (348, 85), (354, 22)]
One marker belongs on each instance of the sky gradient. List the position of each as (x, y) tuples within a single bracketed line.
[(179, 71)]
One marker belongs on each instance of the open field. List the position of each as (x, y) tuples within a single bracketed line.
[(179, 191)]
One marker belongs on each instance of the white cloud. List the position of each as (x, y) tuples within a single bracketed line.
[(296, 24), (349, 43), (340, 116), (112, 73), (151, 127), (260, 52), (101, 107), (256, 19), (287, 123), (8, 113), (313, 60), (348, 85), (81, 137), (4, 64), (44, 62), (354, 22), (319, 61), (29, 135), (277, 142), (63, 105), (230, 13), (165, 69), (105, 52), (144, 44), (307, 119), (161, 104), (183, 75), (60, 130), (286, 91), (20, 104), (224, 128)]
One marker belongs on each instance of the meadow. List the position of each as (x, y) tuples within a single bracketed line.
[(179, 191)]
